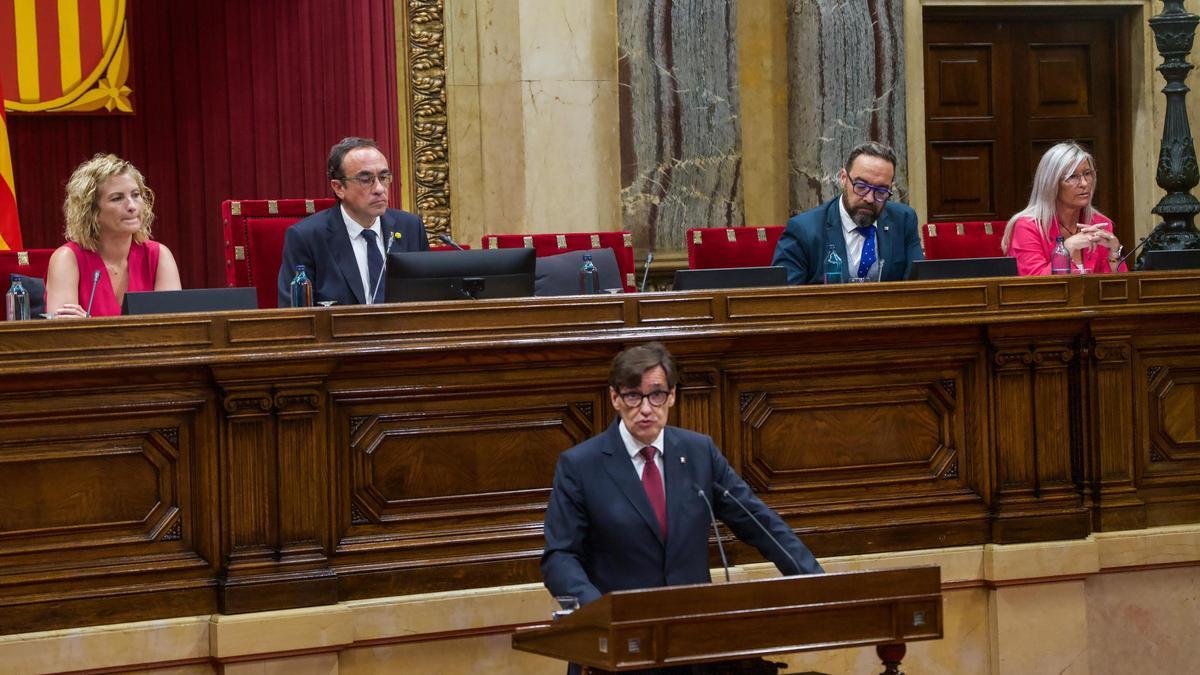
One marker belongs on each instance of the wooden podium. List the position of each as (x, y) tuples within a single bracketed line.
[(710, 623)]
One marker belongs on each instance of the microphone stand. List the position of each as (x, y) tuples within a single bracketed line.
[(383, 270)]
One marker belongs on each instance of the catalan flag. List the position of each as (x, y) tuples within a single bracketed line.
[(59, 54), (10, 226)]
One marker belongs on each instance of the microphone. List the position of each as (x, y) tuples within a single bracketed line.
[(726, 493), (445, 239), (92, 297), (1125, 257), (642, 289), (713, 517), (383, 270)]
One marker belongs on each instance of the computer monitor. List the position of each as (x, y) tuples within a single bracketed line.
[(455, 275), (189, 300), (962, 268), (1185, 259), (729, 277)]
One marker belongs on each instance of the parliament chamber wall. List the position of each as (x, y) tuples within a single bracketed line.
[(242, 467)]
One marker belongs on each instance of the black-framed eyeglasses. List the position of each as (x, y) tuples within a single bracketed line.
[(862, 188), (634, 399), (367, 179)]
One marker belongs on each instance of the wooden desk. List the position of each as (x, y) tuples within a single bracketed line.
[(179, 465)]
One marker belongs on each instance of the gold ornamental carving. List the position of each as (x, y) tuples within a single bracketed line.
[(427, 74)]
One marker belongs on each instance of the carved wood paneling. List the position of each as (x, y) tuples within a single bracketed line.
[(427, 78), (100, 482), (410, 448)]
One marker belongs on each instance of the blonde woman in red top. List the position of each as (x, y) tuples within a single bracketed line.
[(108, 252), (1061, 204)]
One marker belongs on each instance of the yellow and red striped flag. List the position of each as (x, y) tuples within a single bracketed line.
[(65, 55), (10, 226)]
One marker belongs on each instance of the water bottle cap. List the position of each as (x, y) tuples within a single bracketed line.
[(587, 256), (13, 277), (299, 269)]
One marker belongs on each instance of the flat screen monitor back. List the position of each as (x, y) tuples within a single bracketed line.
[(731, 277), (456, 275), (189, 300), (1186, 259), (962, 268)]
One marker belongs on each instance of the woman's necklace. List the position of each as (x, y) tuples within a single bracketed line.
[(115, 270)]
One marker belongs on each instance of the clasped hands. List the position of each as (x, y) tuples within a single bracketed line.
[(1089, 237)]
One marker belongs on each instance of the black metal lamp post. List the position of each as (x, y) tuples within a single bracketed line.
[(1174, 30)]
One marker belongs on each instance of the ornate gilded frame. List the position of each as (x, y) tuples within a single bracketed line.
[(424, 138)]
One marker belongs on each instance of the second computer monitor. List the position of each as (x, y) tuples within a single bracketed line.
[(455, 275)]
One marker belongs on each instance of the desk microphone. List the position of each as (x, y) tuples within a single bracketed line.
[(445, 239), (713, 517), (726, 493), (383, 270), (95, 280), (642, 289), (1140, 244)]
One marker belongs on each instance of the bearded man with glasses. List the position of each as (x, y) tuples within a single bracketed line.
[(629, 510), (343, 248), (875, 237)]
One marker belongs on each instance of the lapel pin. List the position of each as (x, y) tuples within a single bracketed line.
[(683, 460)]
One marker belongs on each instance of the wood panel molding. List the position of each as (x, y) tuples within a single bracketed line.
[(405, 449)]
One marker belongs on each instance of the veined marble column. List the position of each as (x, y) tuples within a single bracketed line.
[(846, 68), (681, 162)]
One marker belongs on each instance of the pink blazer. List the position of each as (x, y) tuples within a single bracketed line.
[(1032, 250)]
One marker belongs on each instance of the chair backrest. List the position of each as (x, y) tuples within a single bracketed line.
[(254, 231), (714, 247), (31, 263), (962, 240), (544, 244)]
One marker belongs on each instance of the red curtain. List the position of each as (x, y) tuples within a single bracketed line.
[(233, 99)]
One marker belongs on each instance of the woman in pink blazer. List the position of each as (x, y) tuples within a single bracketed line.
[(1061, 204)]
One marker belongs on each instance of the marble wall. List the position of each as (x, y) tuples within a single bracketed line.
[(681, 163), (532, 105), (846, 65)]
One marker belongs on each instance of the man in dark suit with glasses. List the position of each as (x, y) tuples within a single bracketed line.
[(626, 510), (343, 248), (875, 237)]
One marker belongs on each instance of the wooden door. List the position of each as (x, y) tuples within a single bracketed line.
[(1001, 89)]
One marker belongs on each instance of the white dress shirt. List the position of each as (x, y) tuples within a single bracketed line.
[(359, 243), (634, 447), (854, 241)]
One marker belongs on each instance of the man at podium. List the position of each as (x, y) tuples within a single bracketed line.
[(629, 510)]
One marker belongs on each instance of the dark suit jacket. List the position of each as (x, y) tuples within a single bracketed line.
[(801, 248), (601, 533), (321, 244)]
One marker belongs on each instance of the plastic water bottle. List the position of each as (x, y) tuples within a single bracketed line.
[(16, 301), (587, 276), (1060, 259), (302, 290), (833, 265)]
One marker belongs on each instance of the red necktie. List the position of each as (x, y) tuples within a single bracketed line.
[(652, 483)]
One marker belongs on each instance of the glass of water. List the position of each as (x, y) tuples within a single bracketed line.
[(566, 605)]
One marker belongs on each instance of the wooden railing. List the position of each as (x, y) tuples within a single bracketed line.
[(187, 464)]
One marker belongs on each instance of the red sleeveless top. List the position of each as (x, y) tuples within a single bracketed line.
[(143, 269)]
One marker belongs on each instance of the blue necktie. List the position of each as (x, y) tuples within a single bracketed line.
[(868, 252), (374, 266)]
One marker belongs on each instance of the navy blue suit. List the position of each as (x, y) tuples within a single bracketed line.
[(320, 243), (801, 248), (602, 535)]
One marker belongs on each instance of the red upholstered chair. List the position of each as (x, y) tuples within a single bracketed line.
[(717, 247), (254, 240), (962, 240), (552, 244), (31, 263)]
